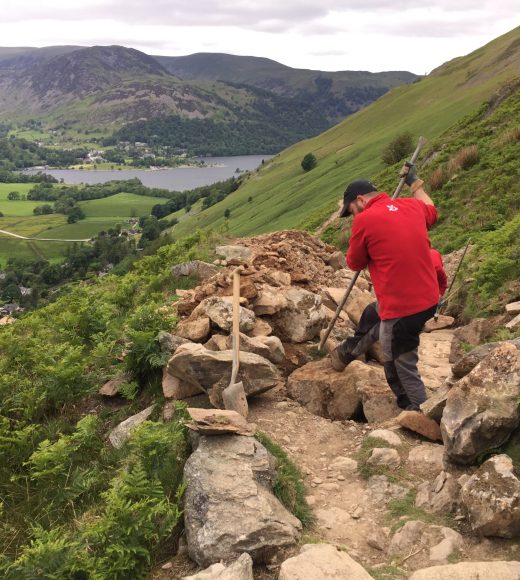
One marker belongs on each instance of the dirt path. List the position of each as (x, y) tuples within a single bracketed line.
[(345, 514), (40, 239)]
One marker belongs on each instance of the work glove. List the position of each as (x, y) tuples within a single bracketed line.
[(409, 172)]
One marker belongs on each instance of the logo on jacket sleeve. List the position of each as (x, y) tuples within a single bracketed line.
[(391, 207)]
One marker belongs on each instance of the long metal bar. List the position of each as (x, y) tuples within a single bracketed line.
[(420, 145), (443, 302)]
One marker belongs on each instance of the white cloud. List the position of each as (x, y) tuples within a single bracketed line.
[(416, 35)]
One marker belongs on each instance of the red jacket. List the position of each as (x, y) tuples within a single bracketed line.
[(442, 279), (391, 238)]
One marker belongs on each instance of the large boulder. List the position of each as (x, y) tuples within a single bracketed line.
[(482, 408), (491, 497), (475, 332), (302, 319), (195, 269), (379, 402), (196, 366), (270, 301), (269, 347), (229, 507), (195, 330), (470, 360), (442, 495), (325, 392), (441, 541), (470, 571), (200, 369), (322, 562), (220, 312)]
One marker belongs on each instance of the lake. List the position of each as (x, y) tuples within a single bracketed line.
[(174, 178)]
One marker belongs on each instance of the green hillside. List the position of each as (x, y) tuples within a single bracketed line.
[(285, 196)]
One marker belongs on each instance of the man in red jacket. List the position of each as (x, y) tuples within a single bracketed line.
[(391, 238)]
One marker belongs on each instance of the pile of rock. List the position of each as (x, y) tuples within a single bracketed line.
[(288, 295)]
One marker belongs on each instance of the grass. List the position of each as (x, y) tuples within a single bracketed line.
[(30, 249), (121, 205), (387, 572), (31, 226), (404, 510), (288, 487), (81, 230), (12, 208), (366, 471)]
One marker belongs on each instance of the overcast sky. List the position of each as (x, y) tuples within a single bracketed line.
[(375, 35)]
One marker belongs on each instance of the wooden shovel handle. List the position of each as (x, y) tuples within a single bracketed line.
[(236, 325)]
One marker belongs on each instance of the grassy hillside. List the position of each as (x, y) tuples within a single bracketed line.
[(285, 196)]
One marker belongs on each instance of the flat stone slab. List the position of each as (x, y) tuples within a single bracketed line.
[(218, 422), (434, 354), (470, 571), (419, 423), (322, 562)]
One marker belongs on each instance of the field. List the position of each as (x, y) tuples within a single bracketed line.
[(120, 206), (102, 214), (30, 249), (81, 230), (16, 208)]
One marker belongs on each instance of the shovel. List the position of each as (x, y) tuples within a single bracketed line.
[(234, 396)]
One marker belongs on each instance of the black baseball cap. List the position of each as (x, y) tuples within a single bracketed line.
[(359, 187)]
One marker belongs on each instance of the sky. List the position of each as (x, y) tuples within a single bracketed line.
[(331, 35)]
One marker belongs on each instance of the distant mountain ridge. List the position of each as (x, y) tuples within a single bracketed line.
[(338, 93), (105, 88)]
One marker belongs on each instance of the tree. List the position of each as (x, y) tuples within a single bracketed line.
[(309, 162), (43, 209), (398, 148), (13, 196), (227, 213), (75, 214)]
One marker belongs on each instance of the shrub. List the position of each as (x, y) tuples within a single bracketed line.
[(510, 136), (464, 159), (309, 162), (438, 178), (398, 149)]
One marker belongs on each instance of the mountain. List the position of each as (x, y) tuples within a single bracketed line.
[(44, 81), (338, 93), (102, 89)]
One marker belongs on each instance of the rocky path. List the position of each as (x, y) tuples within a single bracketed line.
[(324, 451), (352, 513)]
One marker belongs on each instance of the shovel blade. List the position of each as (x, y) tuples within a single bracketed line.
[(234, 398)]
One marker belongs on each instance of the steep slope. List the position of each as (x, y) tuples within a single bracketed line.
[(284, 196)]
